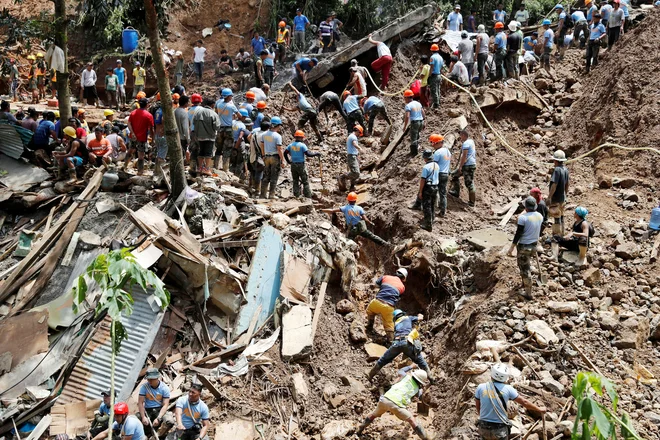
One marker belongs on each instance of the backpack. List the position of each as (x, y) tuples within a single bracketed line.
[(568, 21)]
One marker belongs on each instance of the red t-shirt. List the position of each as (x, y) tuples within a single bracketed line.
[(81, 133), (141, 121)]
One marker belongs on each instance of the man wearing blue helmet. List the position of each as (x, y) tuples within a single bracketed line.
[(562, 29), (271, 147), (548, 40), (224, 142), (240, 133)]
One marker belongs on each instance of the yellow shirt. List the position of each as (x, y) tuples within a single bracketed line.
[(139, 74), (281, 35), (426, 69)]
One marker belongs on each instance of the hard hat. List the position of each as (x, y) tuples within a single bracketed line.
[(464, 34), (397, 313), (31, 57), (158, 96), (243, 112), (153, 373), (581, 211), (81, 111), (275, 120), (402, 272), (559, 6), (559, 156), (140, 95), (226, 92), (408, 94), (535, 190), (250, 95), (176, 96), (499, 25), (481, 28), (118, 62), (530, 203), (56, 113), (513, 26), (352, 197), (282, 24), (421, 377), (121, 408), (299, 134), (500, 373), (196, 98), (345, 94), (40, 55), (137, 63), (359, 129), (70, 131), (247, 121), (435, 138), (261, 105), (178, 53), (427, 154), (547, 22), (435, 48), (108, 112)]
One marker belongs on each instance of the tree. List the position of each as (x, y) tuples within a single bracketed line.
[(61, 36), (115, 274), (177, 172)]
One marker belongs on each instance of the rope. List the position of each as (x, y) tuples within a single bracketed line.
[(382, 92)]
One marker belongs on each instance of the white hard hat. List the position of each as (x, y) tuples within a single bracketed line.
[(402, 272), (512, 26), (421, 377), (559, 156), (500, 373)]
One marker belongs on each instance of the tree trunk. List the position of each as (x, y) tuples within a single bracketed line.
[(177, 172), (113, 355), (63, 93)]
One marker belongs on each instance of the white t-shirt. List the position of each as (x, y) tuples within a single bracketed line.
[(383, 50), (199, 54), (259, 94), (461, 72)]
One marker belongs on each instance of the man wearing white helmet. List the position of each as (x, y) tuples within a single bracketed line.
[(398, 397), (391, 289), (492, 400)]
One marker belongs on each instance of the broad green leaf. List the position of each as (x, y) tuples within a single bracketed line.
[(579, 385), (602, 422), (627, 430), (586, 433)]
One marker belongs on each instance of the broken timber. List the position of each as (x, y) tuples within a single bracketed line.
[(390, 148)]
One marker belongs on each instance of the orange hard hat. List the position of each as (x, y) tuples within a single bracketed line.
[(499, 25), (250, 95), (158, 96), (282, 24), (435, 48), (299, 134), (141, 95), (261, 105), (176, 96), (435, 138), (352, 197), (359, 128), (345, 94), (408, 94)]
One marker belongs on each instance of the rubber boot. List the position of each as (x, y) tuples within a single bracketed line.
[(264, 190), (419, 430), (363, 426), (472, 198), (374, 371), (216, 162), (582, 260), (140, 167), (555, 251), (72, 175)]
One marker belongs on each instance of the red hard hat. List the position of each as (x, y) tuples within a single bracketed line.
[(435, 48), (408, 94), (299, 133), (250, 94), (261, 105), (345, 94), (121, 408), (352, 197), (535, 191), (196, 98)]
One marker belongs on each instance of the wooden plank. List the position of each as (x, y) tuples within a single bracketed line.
[(24, 336), (509, 214), (229, 351), (504, 209), (161, 358), (172, 359), (209, 386), (319, 306), (234, 244), (390, 148), (41, 427), (656, 247), (224, 235), (66, 261)]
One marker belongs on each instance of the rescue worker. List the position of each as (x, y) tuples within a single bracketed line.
[(548, 40), (500, 51), (256, 157), (309, 114), (428, 189), (226, 110), (108, 122), (352, 152), (240, 133), (283, 41), (466, 168), (192, 415), (153, 401), (271, 146), (356, 221), (562, 29), (125, 427), (352, 109), (297, 151), (330, 99), (525, 241), (559, 183), (102, 415), (414, 118), (391, 287), (579, 238), (398, 397), (492, 401), (441, 156), (249, 103), (205, 126), (357, 83), (261, 115), (372, 107), (71, 158), (435, 79), (383, 63), (596, 34), (302, 67), (406, 341)]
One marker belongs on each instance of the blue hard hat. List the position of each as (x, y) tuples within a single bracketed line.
[(547, 22), (275, 120), (581, 211), (559, 6), (226, 92), (398, 312), (243, 112)]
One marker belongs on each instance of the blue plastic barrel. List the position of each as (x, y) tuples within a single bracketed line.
[(655, 219), (129, 40)]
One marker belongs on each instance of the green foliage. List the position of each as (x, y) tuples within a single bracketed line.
[(594, 419), (115, 274)]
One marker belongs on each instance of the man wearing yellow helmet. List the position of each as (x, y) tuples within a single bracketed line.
[(283, 41), (108, 122), (32, 80), (71, 157)]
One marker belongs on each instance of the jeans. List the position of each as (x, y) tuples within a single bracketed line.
[(299, 174), (470, 69), (299, 40), (512, 65), (443, 178), (482, 58), (199, 70), (593, 47), (579, 28), (177, 79), (405, 347), (269, 74), (500, 56)]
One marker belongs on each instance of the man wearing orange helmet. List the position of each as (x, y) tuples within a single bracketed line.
[(126, 427), (283, 41), (248, 104), (500, 50), (435, 80), (356, 220), (309, 113), (352, 151), (298, 150), (414, 118), (260, 114), (441, 156)]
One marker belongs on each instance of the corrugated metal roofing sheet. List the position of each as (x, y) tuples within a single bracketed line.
[(12, 139), (91, 374)]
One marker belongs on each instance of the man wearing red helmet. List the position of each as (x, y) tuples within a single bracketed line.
[(127, 427), (356, 220), (196, 101)]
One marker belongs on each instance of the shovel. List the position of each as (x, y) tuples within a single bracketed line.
[(324, 190), (542, 276)]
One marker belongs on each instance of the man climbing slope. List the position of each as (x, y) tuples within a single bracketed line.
[(391, 289), (356, 220)]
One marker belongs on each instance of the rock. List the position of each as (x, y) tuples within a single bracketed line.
[(357, 332), (563, 307), (238, 429), (345, 306), (300, 389), (454, 113), (487, 238), (551, 384), (332, 396), (625, 182), (541, 84), (610, 228), (569, 257), (374, 351), (356, 385), (542, 332), (632, 333), (627, 251), (655, 328), (5, 362), (630, 195), (591, 276), (337, 429), (608, 320), (89, 239), (604, 181), (297, 333), (652, 417), (280, 220)]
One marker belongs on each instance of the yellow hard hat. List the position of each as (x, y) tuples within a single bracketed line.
[(31, 57), (40, 55), (57, 113), (70, 131), (108, 112)]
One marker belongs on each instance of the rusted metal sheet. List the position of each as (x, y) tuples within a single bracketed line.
[(12, 139), (91, 374)]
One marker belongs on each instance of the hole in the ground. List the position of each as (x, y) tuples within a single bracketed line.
[(519, 115)]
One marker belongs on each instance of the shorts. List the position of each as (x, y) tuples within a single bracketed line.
[(97, 162), (77, 161), (90, 92), (161, 147), (556, 210), (206, 148), (386, 405), (141, 147)]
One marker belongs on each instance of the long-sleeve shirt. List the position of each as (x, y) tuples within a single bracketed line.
[(88, 78)]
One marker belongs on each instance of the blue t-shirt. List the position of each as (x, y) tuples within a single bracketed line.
[(352, 213), (529, 43), (414, 109), (562, 16), (191, 113), (500, 15), (605, 12), (121, 75), (403, 326), (591, 11), (500, 40), (370, 102), (454, 20), (431, 173), (131, 426), (596, 30), (42, 133), (257, 120), (578, 16), (297, 151), (271, 140), (104, 409), (226, 111), (487, 395), (549, 38), (192, 412), (471, 152), (436, 63), (351, 104), (238, 127), (623, 4), (304, 64), (153, 397), (258, 44), (247, 106), (350, 144), (303, 104), (299, 22), (442, 156), (532, 221), (158, 117), (270, 59)]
